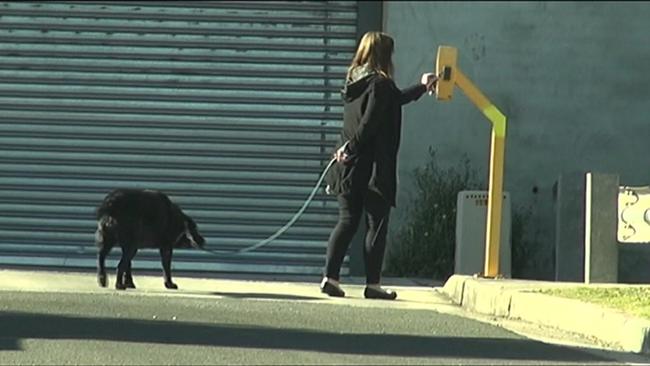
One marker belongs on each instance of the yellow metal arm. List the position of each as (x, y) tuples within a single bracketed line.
[(450, 75), (482, 103)]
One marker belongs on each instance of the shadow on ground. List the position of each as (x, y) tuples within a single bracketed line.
[(240, 295), (17, 326), (263, 296)]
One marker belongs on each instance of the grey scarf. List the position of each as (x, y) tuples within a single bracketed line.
[(360, 72)]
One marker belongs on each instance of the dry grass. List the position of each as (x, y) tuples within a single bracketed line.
[(634, 300)]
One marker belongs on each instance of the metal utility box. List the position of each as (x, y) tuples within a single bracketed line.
[(471, 217)]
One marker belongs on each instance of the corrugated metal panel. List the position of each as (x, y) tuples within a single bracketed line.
[(229, 107)]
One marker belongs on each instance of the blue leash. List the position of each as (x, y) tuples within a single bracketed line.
[(285, 227)]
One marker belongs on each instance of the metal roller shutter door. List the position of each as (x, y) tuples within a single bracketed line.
[(229, 107)]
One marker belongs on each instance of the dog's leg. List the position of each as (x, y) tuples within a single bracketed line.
[(128, 276), (105, 239), (166, 258), (104, 242), (127, 252), (102, 279)]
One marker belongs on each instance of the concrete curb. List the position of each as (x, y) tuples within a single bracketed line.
[(517, 299)]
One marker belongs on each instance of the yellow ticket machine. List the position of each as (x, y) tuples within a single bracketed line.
[(449, 76)]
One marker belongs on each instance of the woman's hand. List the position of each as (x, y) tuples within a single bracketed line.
[(429, 79), (341, 156)]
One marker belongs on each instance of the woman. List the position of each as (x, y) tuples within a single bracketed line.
[(364, 176)]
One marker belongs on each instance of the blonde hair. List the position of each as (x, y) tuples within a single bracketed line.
[(376, 50)]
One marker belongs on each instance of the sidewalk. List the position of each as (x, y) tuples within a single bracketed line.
[(412, 294), (520, 300)]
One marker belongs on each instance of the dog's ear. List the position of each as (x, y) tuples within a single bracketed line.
[(192, 232), (190, 223), (189, 230), (176, 213)]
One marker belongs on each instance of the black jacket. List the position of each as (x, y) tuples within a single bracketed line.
[(372, 123)]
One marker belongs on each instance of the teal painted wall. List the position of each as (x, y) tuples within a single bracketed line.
[(573, 78)]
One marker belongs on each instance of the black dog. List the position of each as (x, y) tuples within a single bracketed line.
[(136, 219)]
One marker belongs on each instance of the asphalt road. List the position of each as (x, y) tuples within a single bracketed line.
[(141, 328)]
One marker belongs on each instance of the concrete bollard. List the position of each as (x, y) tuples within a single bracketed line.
[(601, 245), (570, 228)]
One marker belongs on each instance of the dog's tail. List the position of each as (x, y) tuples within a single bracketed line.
[(106, 233)]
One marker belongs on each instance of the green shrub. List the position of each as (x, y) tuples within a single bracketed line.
[(523, 249), (424, 245)]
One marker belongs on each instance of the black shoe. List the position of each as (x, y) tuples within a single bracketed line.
[(332, 290), (371, 293)]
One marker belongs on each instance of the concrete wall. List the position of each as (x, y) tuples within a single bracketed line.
[(573, 78)]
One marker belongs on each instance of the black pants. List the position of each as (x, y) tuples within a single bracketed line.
[(351, 208)]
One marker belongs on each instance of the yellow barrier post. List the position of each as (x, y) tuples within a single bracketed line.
[(449, 75)]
